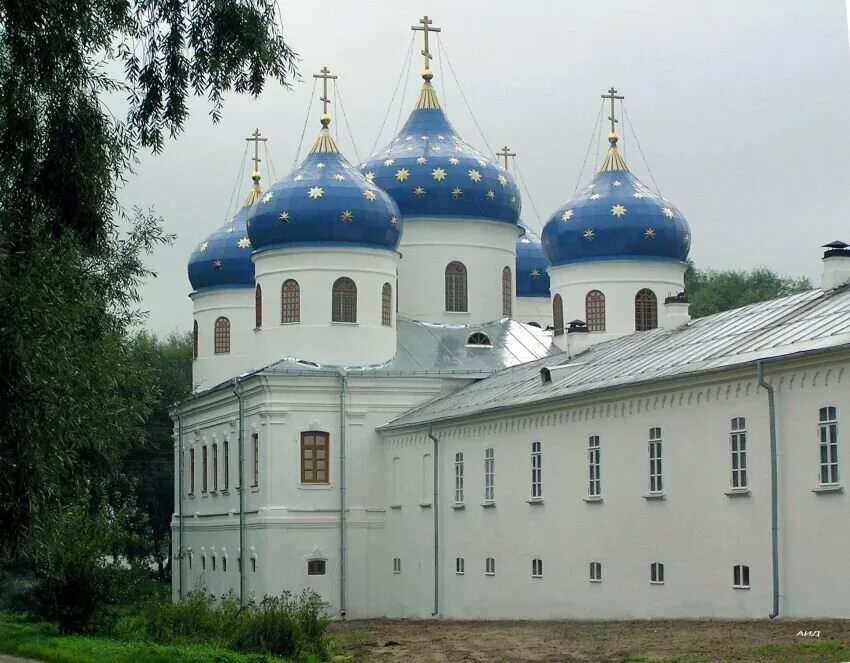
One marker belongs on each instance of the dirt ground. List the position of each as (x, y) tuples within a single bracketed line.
[(380, 641)]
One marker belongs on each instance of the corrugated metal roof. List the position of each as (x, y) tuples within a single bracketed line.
[(808, 321)]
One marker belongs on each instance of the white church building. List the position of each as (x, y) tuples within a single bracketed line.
[(412, 404)]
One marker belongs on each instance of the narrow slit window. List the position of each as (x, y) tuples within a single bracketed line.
[(459, 477), (258, 307), (387, 305), (204, 469), (225, 448), (255, 454), (738, 447), (489, 475), (558, 315), (656, 484), (215, 467), (536, 470), (195, 340), (507, 293), (828, 443), (594, 486)]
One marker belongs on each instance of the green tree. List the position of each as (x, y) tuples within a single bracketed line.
[(711, 291)]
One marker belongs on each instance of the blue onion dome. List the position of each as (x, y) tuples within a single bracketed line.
[(616, 217), (432, 173), (532, 280), (223, 260), (325, 201)]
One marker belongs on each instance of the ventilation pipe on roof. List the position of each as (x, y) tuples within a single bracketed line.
[(676, 313), (578, 340), (836, 265)]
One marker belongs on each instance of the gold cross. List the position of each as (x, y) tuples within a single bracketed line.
[(256, 138), (505, 153), (325, 74), (425, 22), (612, 95)]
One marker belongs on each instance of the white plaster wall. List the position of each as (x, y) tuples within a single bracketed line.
[(533, 309), (236, 304), (316, 338), (429, 245), (619, 281)]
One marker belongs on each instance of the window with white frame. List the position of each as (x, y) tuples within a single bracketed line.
[(656, 573), (459, 566), (594, 486), (536, 470), (537, 568), (490, 566), (396, 564), (459, 477), (596, 572), (489, 475), (828, 441), (738, 447), (656, 484), (215, 467), (741, 576)]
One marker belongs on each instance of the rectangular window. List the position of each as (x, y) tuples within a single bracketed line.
[(224, 564), (536, 471), (490, 566), (594, 486), (213, 563), (738, 446), (226, 461), (596, 572), (537, 568), (255, 449), (253, 565), (459, 477), (396, 564), (191, 471), (655, 481), (215, 467), (741, 576), (828, 440), (204, 476), (203, 563), (489, 475), (315, 452), (459, 564), (316, 567), (656, 573)]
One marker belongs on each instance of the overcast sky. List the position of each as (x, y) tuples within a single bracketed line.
[(740, 108)]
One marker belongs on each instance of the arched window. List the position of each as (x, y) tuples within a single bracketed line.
[(558, 315), (258, 307), (646, 310), (222, 336), (456, 292), (478, 338), (290, 302), (344, 304), (594, 311), (195, 340), (507, 308), (386, 305)]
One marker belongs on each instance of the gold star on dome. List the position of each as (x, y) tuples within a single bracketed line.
[(589, 235), (491, 195), (595, 196), (502, 180), (424, 137), (591, 186), (441, 137), (204, 246), (316, 192), (687, 238), (535, 273), (617, 183), (244, 243), (667, 212), (284, 217), (439, 174), (402, 174), (421, 161), (267, 197), (649, 233), (567, 215), (394, 220), (411, 149), (370, 177), (474, 175), (454, 161), (457, 192), (638, 195), (618, 210), (346, 216), (435, 148), (320, 165), (419, 192), (297, 178), (513, 199), (338, 177), (389, 162), (482, 163), (409, 138), (369, 195), (217, 264), (525, 240)]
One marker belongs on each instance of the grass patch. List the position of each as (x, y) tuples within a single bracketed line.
[(44, 642), (646, 659), (823, 647)]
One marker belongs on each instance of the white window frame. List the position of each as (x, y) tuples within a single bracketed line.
[(397, 565), (595, 572), (459, 477), (656, 573), (536, 568), (460, 563), (594, 466), (490, 566), (740, 479), (656, 475), (741, 576), (537, 470), (828, 445), (489, 475)]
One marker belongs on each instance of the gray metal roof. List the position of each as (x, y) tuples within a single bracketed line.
[(805, 322)]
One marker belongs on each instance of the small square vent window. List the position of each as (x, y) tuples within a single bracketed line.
[(316, 567)]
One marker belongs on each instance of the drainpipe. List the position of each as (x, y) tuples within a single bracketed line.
[(436, 507), (241, 446), (342, 384), (180, 464), (774, 499)]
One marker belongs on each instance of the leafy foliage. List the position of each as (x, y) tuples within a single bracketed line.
[(711, 291)]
